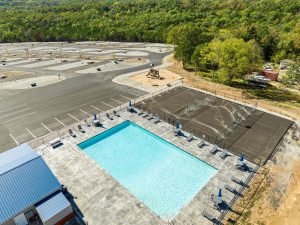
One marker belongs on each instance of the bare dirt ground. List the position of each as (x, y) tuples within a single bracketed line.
[(274, 195), (166, 77), (191, 79), (276, 201)]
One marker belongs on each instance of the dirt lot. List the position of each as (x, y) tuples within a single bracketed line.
[(166, 77), (277, 200)]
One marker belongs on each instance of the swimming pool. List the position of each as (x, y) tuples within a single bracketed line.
[(159, 174)]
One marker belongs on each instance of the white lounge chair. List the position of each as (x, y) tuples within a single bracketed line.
[(108, 116), (237, 180), (156, 119), (208, 216), (231, 189), (72, 134), (201, 143), (224, 154), (190, 137), (116, 114), (214, 149), (81, 129), (55, 143)]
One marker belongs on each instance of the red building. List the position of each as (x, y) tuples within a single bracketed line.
[(272, 75)]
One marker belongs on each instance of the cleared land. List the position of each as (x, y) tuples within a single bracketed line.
[(230, 125), (28, 112)]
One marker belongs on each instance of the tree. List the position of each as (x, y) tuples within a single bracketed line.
[(292, 77), (185, 38), (233, 57)]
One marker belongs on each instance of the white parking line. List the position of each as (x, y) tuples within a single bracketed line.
[(116, 100), (73, 117), (85, 112), (30, 133), (12, 108), (107, 104), (133, 94), (18, 117), (46, 127), (60, 122), (12, 113), (96, 108), (14, 139), (125, 97)]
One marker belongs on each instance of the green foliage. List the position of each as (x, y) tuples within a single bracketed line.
[(292, 77), (185, 38), (232, 58), (273, 24)]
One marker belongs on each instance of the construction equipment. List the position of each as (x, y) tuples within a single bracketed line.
[(153, 73)]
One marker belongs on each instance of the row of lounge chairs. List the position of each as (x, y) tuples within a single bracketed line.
[(218, 202), (146, 115), (96, 122)]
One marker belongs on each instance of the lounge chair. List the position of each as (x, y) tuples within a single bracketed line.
[(177, 132), (150, 116), (208, 216), (141, 112), (213, 150), (241, 165), (72, 134), (146, 114), (130, 109), (86, 122), (156, 119), (108, 116), (231, 189), (190, 137), (224, 154), (81, 129), (116, 114), (201, 143), (237, 180), (96, 122), (55, 143)]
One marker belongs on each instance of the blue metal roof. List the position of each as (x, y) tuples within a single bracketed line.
[(52, 206), (25, 180), (16, 157)]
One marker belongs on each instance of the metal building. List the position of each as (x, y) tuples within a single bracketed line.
[(27, 186)]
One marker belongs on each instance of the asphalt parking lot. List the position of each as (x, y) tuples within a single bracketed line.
[(230, 125), (26, 114)]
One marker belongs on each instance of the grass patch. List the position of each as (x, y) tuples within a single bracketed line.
[(270, 93)]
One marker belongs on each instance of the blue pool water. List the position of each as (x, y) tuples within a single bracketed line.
[(161, 175)]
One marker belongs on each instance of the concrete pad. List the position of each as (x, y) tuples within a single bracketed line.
[(26, 82), (110, 67), (42, 63), (67, 66), (133, 53), (10, 59), (24, 61)]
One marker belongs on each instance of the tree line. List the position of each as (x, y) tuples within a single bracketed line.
[(207, 34)]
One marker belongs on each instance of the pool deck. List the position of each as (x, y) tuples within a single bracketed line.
[(102, 200)]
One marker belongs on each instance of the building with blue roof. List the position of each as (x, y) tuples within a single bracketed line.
[(27, 181)]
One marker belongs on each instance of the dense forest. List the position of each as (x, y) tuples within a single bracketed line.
[(198, 28)]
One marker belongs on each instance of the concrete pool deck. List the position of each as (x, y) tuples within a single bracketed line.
[(103, 200)]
